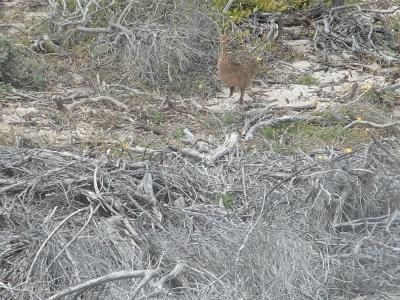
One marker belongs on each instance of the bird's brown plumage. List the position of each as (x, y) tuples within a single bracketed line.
[(236, 66)]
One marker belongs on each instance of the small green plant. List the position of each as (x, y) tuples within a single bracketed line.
[(308, 136), (389, 100), (306, 80), (228, 200), (244, 8), (5, 87), (158, 117), (228, 118), (178, 133), (271, 132), (395, 24), (26, 41), (18, 68)]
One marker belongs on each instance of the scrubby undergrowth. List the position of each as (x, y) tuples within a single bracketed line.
[(104, 222), (163, 45), (20, 67), (322, 229)]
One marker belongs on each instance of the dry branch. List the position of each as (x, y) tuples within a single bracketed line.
[(273, 122), (12, 26), (175, 272), (372, 124), (122, 275), (48, 239), (388, 88), (284, 223), (96, 100), (158, 43), (228, 7), (231, 141)]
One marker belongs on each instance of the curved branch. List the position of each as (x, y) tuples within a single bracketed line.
[(146, 274), (228, 7), (372, 124), (98, 99)]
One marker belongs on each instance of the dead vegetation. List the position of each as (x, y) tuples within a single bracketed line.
[(113, 191), (161, 44), (293, 227)]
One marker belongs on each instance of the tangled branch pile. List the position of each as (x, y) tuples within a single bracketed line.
[(286, 228), (369, 29), (363, 30), (157, 42)]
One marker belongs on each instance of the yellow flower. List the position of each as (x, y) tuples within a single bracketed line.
[(366, 87), (359, 119), (347, 150)]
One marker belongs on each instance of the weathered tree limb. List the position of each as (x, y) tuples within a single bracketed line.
[(230, 142), (176, 271), (147, 277), (12, 26), (147, 185), (48, 239), (98, 99), (188, 152), (273, 122), (228, 7), (148, 274), (92, 211), (388, 88), (372, 124), (94, 30)]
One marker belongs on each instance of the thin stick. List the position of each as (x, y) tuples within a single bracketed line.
[(48, 239), (106, 278), (98, 99), (92, 211), (228, 7), (372, 124)]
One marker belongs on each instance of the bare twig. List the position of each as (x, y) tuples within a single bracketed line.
[(228, 7), (145, 274), (96, 100), (48, 239), (175, 272), (388, 88), (230, 142), (274, 122), (92, 211), (372, 124)]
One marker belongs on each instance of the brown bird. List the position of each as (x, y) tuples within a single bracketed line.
[(236, 66)]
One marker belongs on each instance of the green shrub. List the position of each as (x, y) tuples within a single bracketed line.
[(307, 136), (307, 80), (244, 8), (228, 200), (18, 68)]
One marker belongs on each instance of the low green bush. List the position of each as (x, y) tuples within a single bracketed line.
[(18, 68)]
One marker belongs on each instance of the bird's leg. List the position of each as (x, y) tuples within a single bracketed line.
[(231, 89), (241, 101)]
